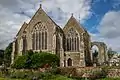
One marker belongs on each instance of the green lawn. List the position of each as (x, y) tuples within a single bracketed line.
[(109, 79), (57, 77), (60, 77), (9, 79)]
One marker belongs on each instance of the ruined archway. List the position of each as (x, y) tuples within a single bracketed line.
[(69, 62), (102, 52), (95, 52)]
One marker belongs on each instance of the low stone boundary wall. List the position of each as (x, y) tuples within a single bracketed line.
[(69, 71), (89, 72), (113, 73), (79, 71)]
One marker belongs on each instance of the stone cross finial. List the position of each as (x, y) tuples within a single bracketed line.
[(72, 14), (40, 5), (14, 38), (79, 18)]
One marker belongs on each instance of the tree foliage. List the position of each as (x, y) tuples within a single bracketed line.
[(43, 58), (1, 56), (95, 54), (111, 53), (36, 60), (7, 55), (20, 62)]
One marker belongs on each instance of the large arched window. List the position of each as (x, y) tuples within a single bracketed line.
[(72, 40), (39, 37)]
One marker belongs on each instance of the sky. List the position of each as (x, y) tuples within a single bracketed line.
[(101, 18)]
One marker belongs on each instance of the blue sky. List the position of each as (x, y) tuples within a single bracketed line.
[(99, 9), (101, 18)]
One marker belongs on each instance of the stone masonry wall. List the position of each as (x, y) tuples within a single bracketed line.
[(88, 72)]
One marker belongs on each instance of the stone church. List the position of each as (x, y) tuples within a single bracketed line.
[(72, 43)]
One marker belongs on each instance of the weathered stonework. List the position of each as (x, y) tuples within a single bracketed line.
[(102, 53), (72, 43)]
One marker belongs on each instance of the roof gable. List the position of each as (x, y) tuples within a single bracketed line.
[(22, 28), (41, 16), (73, 23)]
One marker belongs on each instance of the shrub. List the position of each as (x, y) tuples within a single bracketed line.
[(20, 62), (102, 73), (1, 74), (36, 60), (96, 74), (7, 55), (29, 53), (17, 74), (44, 59), (30, 75), (105, 71)]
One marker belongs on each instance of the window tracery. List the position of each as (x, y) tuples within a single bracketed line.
[(39, 37), (72, 40)]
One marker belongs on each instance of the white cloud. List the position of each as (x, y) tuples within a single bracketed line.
[(9, 25), (14, 12), (66, 7), (109, 29), (110, 25)]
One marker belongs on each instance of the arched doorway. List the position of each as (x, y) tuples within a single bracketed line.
[(69, 62)]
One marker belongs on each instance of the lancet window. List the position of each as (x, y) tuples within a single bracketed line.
[(24, 43)]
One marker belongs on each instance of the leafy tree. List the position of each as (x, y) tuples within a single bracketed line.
[(20, 62), (7, 55), (36, 60), (23, 61), (111, 53), (1, 56), (43, 58), (95, 54), (28, 54)]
